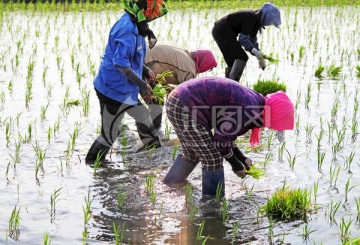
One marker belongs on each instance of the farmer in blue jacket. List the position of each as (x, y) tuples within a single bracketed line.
[(119, 80), (208, 114), (244, 24)]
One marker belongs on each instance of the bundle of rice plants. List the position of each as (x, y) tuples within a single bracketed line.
[(268, 87)]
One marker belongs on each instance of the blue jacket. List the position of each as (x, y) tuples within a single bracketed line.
[(125, 48)]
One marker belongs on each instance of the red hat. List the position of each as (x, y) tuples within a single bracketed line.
[(204, 60)]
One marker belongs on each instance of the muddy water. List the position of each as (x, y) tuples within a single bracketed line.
[(62, 45)]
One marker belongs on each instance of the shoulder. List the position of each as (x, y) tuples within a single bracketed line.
[(125, 24)]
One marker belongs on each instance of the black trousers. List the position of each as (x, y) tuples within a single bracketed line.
[(229, 46), (112, 113)]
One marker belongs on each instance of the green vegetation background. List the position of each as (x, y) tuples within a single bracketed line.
[(98, 5)]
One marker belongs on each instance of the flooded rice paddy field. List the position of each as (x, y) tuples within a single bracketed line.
[(49, 116)]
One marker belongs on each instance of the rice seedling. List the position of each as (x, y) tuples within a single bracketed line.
[(270, 58), (319, 138), (281, 151), (56, 126), (219, 191), (335, 109), (308, 96), (119, 233), (40, 157), (193, 210), (2, 100), (248, 193), (332, 209), (334, 174), (309, 128), (14, 223), (47, 238), (46, 68), (267, 87), (7, 133), (53, 199), (167, 131), (149, 185), (224, 208), (87, 214), (348, 188), (122, 195), (287, 203), (161, 89), (320, 159), (235, 230), (255, 172), (199, 236), (354, 127), (319, 70), (268, 158), (43, 111), (357, 202), (297, 125), (271, 234), (270, 139), (315, 188), (10, 86), (348, 161), (334, 71), (173, 154), (160, 92), (189, 190), (301, 52), (354, 241), (16, 157), (345, 231), (74, 135), (86, 102), (357, 71), (306, 231), (291, 159), (97, 162)]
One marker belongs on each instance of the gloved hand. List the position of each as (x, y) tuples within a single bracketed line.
[(260, 58), (237, 166), (244, 160)]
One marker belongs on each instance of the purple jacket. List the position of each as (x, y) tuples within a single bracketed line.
[(223, 105)]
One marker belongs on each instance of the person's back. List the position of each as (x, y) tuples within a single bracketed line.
[(170, 57)]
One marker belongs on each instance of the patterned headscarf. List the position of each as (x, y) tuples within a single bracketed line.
[(270, 15), (144, 11)]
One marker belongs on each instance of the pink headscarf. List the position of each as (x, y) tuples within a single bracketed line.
[(204, 60), (278, 114)]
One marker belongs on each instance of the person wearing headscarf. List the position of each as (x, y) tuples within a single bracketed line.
[(119, 79), (243, 24), (208, 114), (182, 63)]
